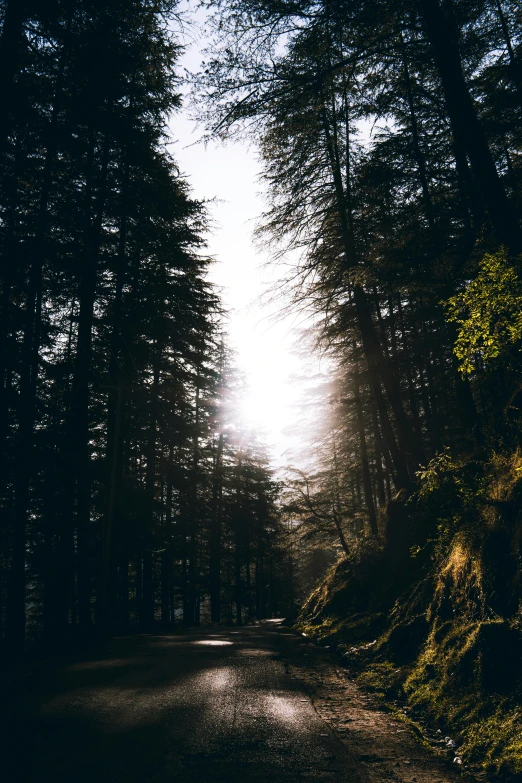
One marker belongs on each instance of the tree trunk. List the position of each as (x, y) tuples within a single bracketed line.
[(372, 348), (379, 452), (468, 129), (215, 536), (408, 368), (106, 595), (78, 429), (167, 609), (378, 366), (12, 45), (193, 517), (237, 545), (366, 475), (237, 565), (106, 609), (29, 367), (516, 70), (147, 615), (138, 603), (415, 137)]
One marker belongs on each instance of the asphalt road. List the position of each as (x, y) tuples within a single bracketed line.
[(209, 705)]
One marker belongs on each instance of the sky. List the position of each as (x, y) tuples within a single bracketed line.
[(263, 341)]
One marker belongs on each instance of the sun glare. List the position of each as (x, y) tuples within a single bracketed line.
[(269, 404)]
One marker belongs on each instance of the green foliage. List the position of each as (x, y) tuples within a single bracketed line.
[(445, 502), (431, 478), (488, 313)]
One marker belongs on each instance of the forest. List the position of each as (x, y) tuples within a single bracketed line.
[(128, 491), (390, 139)]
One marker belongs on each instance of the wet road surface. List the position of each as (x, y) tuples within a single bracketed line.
[(207, 705)]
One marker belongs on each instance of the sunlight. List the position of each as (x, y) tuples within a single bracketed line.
[(264, 348), (270, 402), (212, 642), (282, 709), (263, 408), (215, 679)]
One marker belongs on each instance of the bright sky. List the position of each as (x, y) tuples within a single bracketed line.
[(264, 345)]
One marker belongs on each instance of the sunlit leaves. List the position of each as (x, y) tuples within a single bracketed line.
[(488, 313)]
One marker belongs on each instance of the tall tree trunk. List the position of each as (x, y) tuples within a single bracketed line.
[(15, 614), (381, 368), (415, 137), (185, 587), (9, 262), (106, 595), (215, 535), (12, 45), (366, 475), (408, 368), (258, 588), (147, 614), (138, 591), (375, 358), (515, 68), (166, 555), (29, 367), (442, 34), (79, 428), (123, 584), (336, 506), (193, 586), (379, 452), (399, 465), (237, 566), (237, 545)]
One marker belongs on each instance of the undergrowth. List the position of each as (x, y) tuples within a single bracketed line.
[(431, 618)]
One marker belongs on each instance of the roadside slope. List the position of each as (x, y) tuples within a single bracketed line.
[(430, 618), (385, 747)]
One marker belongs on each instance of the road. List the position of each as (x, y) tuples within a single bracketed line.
[(205, 705)]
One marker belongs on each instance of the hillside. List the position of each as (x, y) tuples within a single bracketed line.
[(431, 618)]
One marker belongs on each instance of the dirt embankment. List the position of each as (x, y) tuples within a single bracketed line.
[(431, 625)]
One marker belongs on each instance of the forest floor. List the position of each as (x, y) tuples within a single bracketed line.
[(255, 704)]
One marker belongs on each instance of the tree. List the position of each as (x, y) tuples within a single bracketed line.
[(385, 225)]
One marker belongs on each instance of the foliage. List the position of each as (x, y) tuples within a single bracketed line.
[(488, 313)]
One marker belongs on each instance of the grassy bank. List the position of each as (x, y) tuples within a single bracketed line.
[(430, 618)]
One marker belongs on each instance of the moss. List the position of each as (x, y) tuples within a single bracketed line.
[(440, 635), (382, 678)]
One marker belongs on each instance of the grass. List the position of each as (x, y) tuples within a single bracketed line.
[(440, 634)]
